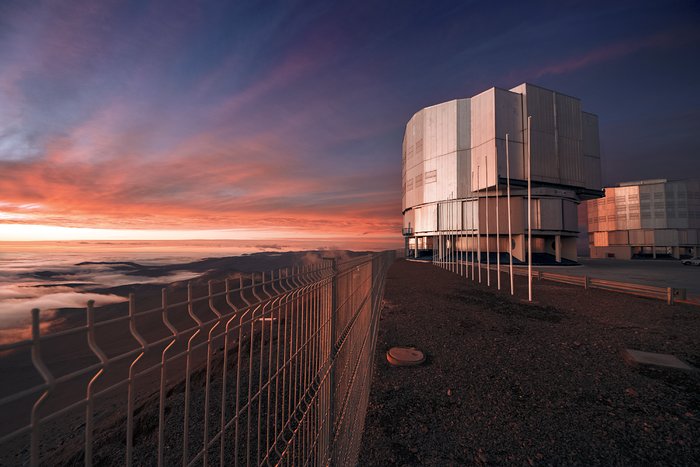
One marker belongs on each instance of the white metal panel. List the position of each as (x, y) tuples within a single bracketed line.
[(483, 121), (430, 181), (446, 117), (470, 211), (508, 115), (409, 219), (447, 176), (516, 157), (426, 218), (450, 216)]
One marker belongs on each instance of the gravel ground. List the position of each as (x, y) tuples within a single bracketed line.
[(508, 382)]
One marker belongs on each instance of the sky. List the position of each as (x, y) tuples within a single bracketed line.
[(207, 119)]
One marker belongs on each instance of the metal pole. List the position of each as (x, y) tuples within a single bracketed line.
[(498, 237), (488, 251), (510, 237), (478, 230), (471, 209), (529, 209)]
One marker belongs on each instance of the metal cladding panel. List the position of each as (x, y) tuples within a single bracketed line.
[(426, 218), (550, 214), (571, 168), (636, 237), (409, 219), (508, 115), (470, 213), (446, 137), (568, 117), (430, 133), (539, 104), (534, 214), (483, 161), (516, 151), (590, 135), (430, 181), (418, 141), (464, 137), (450, 216), (618, 237), (463, 173), (483, 120), (545, 163), (666, 237), (446, 166), (570, 211)]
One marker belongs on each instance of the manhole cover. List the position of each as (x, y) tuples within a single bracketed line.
[(405, 356)]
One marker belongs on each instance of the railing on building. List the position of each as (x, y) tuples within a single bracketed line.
[(407, 231), (273, 369)]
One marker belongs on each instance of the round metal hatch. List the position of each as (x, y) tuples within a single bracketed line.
[(405, 356)]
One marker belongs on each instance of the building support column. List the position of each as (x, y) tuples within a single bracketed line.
[(557, 248), (676, 252)]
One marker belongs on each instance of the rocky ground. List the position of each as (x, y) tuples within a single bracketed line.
[(509, 382)]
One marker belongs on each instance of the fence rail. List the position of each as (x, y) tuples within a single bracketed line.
[(271, 369), (670, 295)]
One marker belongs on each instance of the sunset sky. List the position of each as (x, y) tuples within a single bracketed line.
[(256, 119)]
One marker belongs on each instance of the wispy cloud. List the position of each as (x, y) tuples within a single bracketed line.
[(614, 51)]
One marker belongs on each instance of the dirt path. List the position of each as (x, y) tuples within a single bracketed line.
[(508, 382)]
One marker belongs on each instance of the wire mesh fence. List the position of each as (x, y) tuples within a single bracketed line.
[(270, 369)]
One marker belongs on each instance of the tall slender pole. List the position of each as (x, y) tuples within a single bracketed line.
[(498, 237), (529, 208), (452, 237), (510, 236), (488, 238), (471, 209), (478, 230)]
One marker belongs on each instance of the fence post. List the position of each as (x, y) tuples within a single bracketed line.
[(669, 295), (333, 352), (586, 282)]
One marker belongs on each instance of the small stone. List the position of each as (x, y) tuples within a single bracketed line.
[(413, 449), (631, 392), (449, 392)]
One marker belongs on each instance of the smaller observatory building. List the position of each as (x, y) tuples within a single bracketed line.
[(455, 164)]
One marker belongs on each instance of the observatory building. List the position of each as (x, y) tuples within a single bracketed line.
[(455, 164), (648, 218)]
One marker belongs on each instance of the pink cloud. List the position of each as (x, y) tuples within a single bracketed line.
[(612, 51)]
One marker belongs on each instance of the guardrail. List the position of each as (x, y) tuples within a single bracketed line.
[(271, 369), (670, 295)]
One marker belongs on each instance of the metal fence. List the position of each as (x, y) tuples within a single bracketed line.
[(467, 266), (273, 369)]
